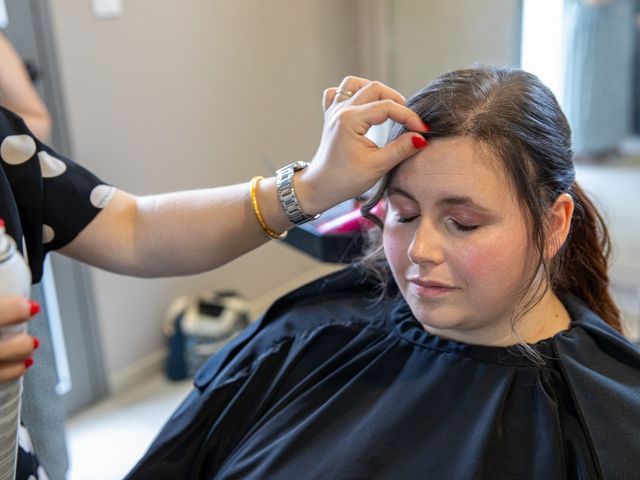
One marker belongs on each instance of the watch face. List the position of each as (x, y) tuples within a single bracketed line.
[(295, 166)]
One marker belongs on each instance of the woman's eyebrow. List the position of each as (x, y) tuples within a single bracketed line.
[(462, 200), (392, 190)]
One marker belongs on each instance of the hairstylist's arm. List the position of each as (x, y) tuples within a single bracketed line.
[(18, 94), (15, 351), (191, 232)]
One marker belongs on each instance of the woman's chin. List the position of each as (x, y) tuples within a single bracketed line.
[(438, 318)]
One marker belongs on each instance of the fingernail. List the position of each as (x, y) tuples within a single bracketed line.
[(36, 343), (34, 307), (419, 142), (427, 128), (28, 362)]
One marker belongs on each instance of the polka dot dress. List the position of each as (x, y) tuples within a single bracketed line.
[(28, 466), (45, 201), (45, 198)]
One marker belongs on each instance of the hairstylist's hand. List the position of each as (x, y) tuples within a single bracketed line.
[(16, 350), (347, 163)]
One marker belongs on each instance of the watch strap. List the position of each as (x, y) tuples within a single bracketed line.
[(287, 193)]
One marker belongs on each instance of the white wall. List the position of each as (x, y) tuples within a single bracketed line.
[(431, 37), (188, 94)]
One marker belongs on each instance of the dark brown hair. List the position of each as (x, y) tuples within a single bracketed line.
[(518, 118)]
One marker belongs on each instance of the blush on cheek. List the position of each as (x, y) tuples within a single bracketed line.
[(492, 268), (394, 247), (478, 263)]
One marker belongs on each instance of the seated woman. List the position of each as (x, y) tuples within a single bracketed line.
[(502, 358)]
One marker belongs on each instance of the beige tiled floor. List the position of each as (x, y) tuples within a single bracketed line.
[(106, 440)]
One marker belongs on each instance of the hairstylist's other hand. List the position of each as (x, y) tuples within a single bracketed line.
[(347, 164), (16, 350)]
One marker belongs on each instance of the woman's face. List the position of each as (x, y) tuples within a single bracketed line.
[(457, 241)]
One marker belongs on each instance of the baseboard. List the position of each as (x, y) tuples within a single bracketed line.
[(138, 371)]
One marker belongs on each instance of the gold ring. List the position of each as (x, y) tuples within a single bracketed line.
[(346, 93)]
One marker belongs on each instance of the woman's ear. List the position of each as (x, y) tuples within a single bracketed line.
[(559, 223)]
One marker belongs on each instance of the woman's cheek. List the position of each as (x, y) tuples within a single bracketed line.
[(395, 248), (490, 266), (476, 262)]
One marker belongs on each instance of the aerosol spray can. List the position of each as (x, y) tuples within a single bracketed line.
[(15, 279)]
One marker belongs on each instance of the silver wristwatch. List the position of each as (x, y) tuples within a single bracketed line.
[(287, 193)]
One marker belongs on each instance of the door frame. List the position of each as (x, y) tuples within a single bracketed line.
[(31, 33)]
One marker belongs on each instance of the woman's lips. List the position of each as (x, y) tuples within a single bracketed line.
[(429, 289)]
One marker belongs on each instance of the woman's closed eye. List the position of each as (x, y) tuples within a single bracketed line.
[(403, 211), (463, 227), (464, 220), (460, 219), (406, 219)]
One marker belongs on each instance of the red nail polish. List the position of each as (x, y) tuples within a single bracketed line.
[(427, 128), (36, 343), (34, 307), (28, 362), (419, 142)]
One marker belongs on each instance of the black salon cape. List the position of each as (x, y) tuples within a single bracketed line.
[(328, 385)]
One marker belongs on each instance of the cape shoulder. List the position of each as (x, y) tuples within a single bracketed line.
[(602, 369), (346, 298)]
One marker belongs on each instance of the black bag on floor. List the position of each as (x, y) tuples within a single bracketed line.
[(197, 327)]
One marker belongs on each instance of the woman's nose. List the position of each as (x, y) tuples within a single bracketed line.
[(426, 246)]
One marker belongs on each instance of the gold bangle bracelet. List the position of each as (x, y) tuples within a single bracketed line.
[(256, 210)]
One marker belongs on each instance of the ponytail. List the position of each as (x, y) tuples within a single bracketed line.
[(582, 266)]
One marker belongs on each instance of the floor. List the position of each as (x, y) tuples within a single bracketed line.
[(106, 440)]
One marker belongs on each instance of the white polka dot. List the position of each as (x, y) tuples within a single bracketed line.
[(17, 149), (42, 475), (101, 195), (47, 234), (24, 439), (51, 166)]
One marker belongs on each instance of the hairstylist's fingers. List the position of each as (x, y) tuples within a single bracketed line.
[(403, 147), (12, 370), (349, 86), (352, 83), (376, 91), (378, 112), (17, 348), (327, 97), (16, 309), (16, 356)]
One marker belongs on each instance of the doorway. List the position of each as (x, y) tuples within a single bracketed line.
[(66, 288)]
